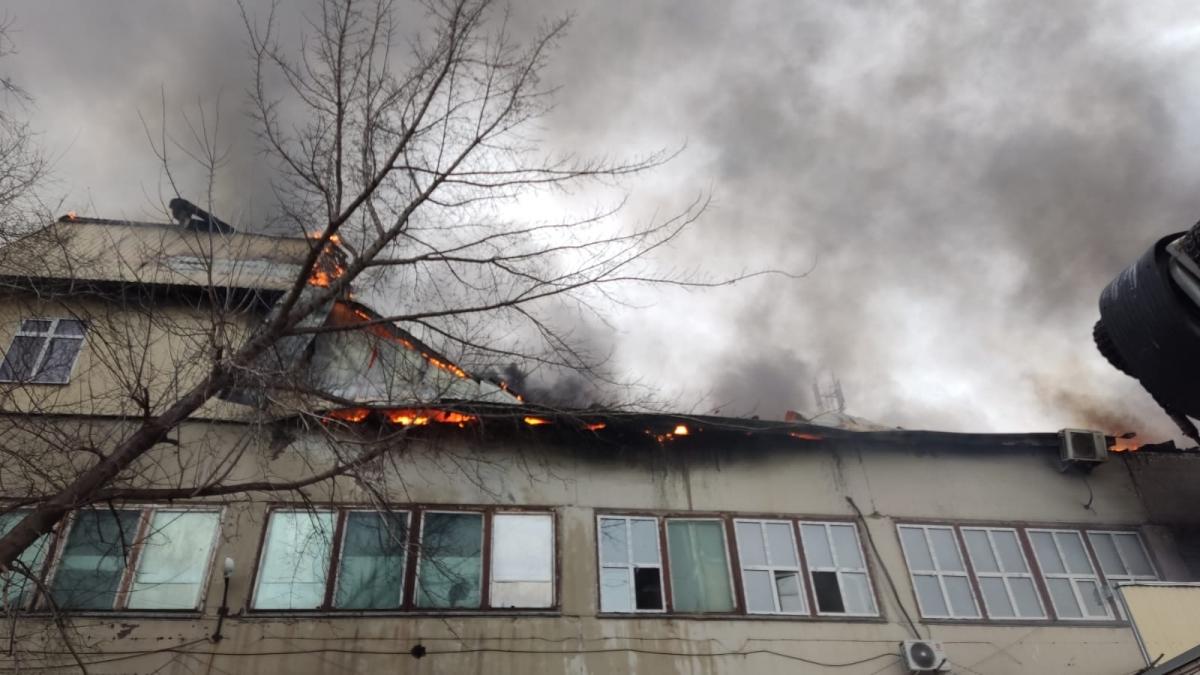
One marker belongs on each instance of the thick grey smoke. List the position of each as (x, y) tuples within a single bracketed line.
[(965, 176)]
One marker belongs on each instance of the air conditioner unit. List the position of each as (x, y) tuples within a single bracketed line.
[(923, 656), (1082, 447)]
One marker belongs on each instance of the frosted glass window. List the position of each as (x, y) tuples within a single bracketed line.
[(1073, 583), (16, 589), (93, 560), (295, 560), (523, 560), (1123, 559), (837, 569), (770, 567), (371, 568), (699, 566), (939, 576), (174, 560), (1004, 576), (450, 568), (630, 564)]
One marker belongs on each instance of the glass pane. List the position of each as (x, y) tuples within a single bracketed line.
[(760, 597), (371, 571), (699, 568), (21, 358), (995, 597), (451, 563), (1074, 553), (962, 600), (60, 356), (295, 560), (1093, 602), (522, 560), (1064, 599), (945, 549), (93, 560), (1047, 556), (174, 560), (790, 597), (929, 593), (1028, 604), (16, 589), (613, 545), (750, 544), (645, 542), (828, 592), (916, 549), (781, 544), (1135, 556), (845, 543), (1106, 551), (816, 546), (69, 327), (647, 588), (35, 326), (1011, 559), (615, 594), (980, 551), (857, 593)]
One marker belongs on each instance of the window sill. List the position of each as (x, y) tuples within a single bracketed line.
[(390, 613), (1049, 623), (184, 614), (742, 617)]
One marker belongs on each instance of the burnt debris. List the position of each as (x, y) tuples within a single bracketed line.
[(192, 217)]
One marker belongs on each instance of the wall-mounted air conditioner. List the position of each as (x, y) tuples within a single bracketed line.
[(1082, 447), (923, 656)]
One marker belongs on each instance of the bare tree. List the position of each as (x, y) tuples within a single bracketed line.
[(394, 162)]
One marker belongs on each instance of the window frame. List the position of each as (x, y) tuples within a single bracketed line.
[(663, 575), (734, 565), (555, 562), (1111, 581), (46, 338), (938, 573), (1025, 543), (1004, 577), (666, 560), (416, 525), (865, 570), (133, 559), (771, 568), (1073, 577)]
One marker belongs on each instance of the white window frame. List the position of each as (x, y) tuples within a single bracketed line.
[(484, 560), (937, 572), (263, 550), (838, 567), (771, 568), (1112, 580), (46, 338), (1071, 577), (724, 545), (491, 562), (133, 559), (335, 567), (629, 565), (1005, 576)]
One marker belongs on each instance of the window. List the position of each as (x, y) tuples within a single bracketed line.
[(1123, 558), (296, 560), (700, 580), (1070, 577), (450, 571), (135, 559), (522, 560), (1007, 586), (16, 588), (630, 565), (358, 559), (43, 351), (771, 573), (837, 569), (938, 574)]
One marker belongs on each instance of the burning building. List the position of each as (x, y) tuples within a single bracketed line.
[(489, 534)]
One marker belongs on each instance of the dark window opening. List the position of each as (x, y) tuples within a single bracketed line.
[(647, 587), (829, 595)]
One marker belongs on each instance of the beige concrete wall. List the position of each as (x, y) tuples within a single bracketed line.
[(888, 485), (1166, 617)]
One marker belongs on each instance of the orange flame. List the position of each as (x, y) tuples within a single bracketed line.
[(536, 421), (422, 416), (71, 215), (595, 426), (354, 415), (1124, 445), (804, 437), (680, 430)]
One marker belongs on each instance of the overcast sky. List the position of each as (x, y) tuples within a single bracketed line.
[(966, 177)]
